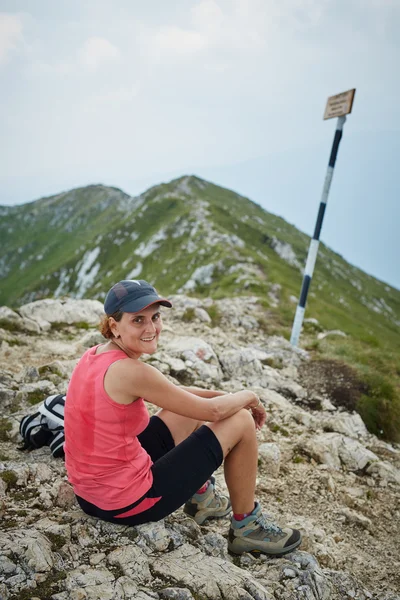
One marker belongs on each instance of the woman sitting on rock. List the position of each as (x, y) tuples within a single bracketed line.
[(128, 468)]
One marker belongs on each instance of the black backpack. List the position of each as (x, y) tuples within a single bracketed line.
[(45, 427)]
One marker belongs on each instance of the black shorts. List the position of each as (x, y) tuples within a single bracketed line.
[(178, 472)]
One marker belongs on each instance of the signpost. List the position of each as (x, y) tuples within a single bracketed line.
[(339, 105), (336, 106)]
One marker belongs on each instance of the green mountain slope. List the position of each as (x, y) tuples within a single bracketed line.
[(192, 236), (80, 242)]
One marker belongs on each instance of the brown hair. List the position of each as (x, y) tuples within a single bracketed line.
[(104, 325)]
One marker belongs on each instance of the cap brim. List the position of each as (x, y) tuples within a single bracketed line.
[(141, 303)]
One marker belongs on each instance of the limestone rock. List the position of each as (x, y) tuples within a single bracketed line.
[(351, 425), (48, 311), (132, 561), (65, 495), (38, 553), (335, 449), (288, 388), (6, 397), (243, 362), (214, 544), (156, 535), (309, 581), (346, 586), (202, 315), (126, 589), (384, 471), (198, 355), (7, 567), (16, 321), (273, 399), (269, 457), (354, 517), (92, 338), (31, 546), (206, 577), (40, 473), (283, 350), (35, 392), (325, 334), (327, 405), (7, 314), (86, 583)]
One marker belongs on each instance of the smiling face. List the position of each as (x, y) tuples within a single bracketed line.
[(138, 333)]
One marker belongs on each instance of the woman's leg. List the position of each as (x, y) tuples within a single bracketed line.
[(237, 436), (179, 426)]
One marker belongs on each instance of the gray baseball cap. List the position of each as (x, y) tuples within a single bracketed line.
[(132, 296)]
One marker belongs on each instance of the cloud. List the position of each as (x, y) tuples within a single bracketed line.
[(233, 28), (207, 15), (10, 34), (116, 98), (177, 40), (97, 51)]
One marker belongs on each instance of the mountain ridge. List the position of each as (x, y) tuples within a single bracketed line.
[(91, 207), (7, 209)]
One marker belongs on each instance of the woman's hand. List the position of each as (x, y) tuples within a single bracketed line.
[(259, 413)]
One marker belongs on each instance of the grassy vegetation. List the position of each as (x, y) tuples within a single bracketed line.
[(188, 315), (215, 315), (44, 589), (366, 379), (60, 326), (35, 397), (10, 478), (5, 428), (57, 540), (10, 325)]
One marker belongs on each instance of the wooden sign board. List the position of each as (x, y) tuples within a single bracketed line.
[(339, 105)]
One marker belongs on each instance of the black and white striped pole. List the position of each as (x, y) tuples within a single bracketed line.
[(337, 106)]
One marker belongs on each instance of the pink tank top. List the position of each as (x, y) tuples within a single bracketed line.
[(105, 462)]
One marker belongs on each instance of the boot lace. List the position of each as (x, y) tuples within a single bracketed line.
[(265, 522)]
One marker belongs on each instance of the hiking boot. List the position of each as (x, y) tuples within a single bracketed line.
[(257, 534), (209, 505)]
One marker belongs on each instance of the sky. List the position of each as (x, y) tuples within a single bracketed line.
[(131, 93)]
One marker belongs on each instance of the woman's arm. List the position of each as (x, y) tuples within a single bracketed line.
[(135, 378), (202, 392)]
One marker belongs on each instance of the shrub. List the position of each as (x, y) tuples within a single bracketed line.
[(379, 407), (215, 315), (340, 382), (370, 393), (188, 315), (9, 477), (10, 325), (5, 427)]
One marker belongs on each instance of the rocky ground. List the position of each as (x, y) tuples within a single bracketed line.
[(319, 470)]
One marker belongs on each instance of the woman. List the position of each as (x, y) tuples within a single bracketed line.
[(128, 468)]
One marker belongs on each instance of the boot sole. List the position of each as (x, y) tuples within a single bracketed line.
[(273, 554), (206, 517), (203, 519)]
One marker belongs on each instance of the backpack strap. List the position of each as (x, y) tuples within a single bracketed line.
[(53, 409), (28, 422), (57, 444), (32, 432)]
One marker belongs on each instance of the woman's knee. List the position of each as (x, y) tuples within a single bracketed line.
[(233, 429), (244, 419)]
